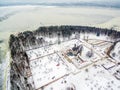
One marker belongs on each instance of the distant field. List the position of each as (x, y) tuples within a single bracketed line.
[(16, 19)]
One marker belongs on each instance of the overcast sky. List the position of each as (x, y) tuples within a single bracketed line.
[(39, 1), (59, 1)]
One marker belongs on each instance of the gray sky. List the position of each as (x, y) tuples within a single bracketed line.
[(39, 1), (106, 2)]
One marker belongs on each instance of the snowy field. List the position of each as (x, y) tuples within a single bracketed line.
[(116, 52), (47, 69), (52, 70), (93, 78), (101, 46), (45, 50)]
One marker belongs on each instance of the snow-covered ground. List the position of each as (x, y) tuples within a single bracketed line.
[(45, 50), (52, 70), (96, 78), (47, 69), (115, 53), (1, 76), (5, 73)]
